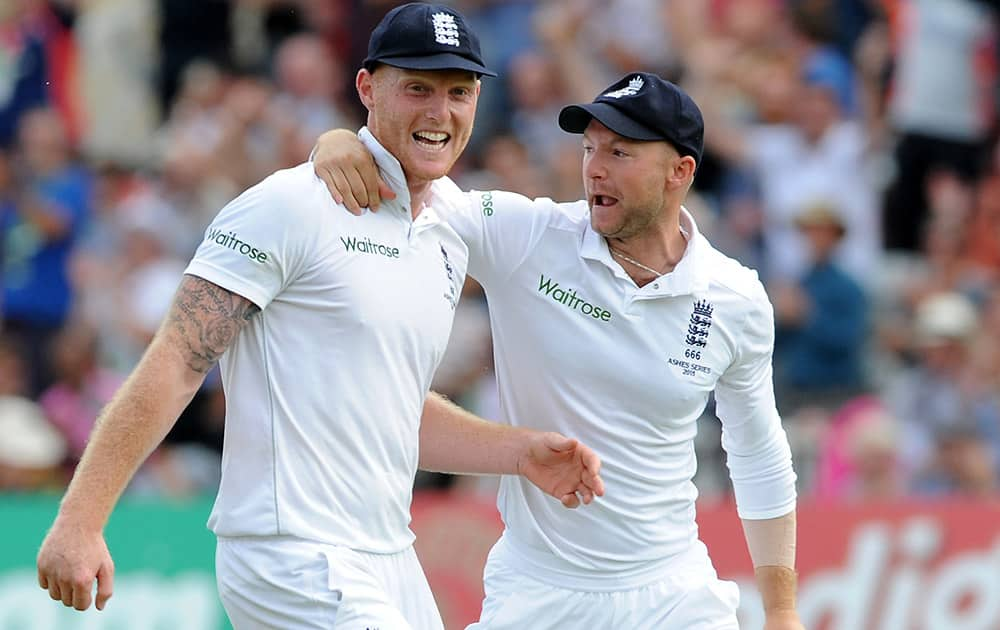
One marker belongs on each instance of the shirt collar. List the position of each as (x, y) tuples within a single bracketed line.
[(689, 276), (442, 191), (390, 168)]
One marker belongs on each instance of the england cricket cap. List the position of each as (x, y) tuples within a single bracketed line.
[(642, 106), (420, 36)]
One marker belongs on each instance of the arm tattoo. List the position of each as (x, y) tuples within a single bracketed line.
[(204, 320)]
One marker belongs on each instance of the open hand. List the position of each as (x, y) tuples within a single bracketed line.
[(69, 562), (563, 468), (348, 169)]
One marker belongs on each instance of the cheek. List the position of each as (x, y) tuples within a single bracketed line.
[(465, 117)]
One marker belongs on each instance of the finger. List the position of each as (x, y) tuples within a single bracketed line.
[(105, 584), (592, 473), (370, 179), (384, 191), (597, 486), (66, 593), (358, 189), (341, 191), (81, 594), (594, 482), (43, 580), (54, 591), (346, 192), (327, 175), (585, 494), (351, 202), (570, 500)]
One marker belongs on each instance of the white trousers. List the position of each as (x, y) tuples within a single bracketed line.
[(515, 601), (289, 583)]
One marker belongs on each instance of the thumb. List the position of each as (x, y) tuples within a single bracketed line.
[(105, 584), (384, 191), (559, 442)]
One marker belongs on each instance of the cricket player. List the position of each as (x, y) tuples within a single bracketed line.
[(613, 319), (329, 328)]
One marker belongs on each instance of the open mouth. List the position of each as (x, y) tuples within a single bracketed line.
[(431, 140), (603, 201)]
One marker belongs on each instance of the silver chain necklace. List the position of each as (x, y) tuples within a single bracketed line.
[(635, 262)]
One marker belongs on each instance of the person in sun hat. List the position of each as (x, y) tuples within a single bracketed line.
[(329, 328), (821, 317), (614, 319)]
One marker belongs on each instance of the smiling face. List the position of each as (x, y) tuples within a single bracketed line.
[(423, 117), (628, 182)]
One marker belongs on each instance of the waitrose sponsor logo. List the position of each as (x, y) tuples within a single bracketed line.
[(230, 240), (368, 246), (571, 300)]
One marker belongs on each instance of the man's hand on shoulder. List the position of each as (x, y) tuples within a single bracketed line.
[(348, 169), (563, 468)]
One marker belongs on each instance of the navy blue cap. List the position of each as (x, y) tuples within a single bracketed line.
[(642, 106), (420, 36)]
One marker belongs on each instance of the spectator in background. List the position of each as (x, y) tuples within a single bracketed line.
[(117, 57), (945, 264), (151, 276), (191, 181), (252, 141), (24, 79), (941, 104), (309, 80), (31, 450), (931, 398), (818, 154), (506, 31), (612, 36), (962, 465), (537, 94), (508, 165), (815, 35), (821, 320), (874, 456), (859, 454), (134, 228), (81, 389), (190, 31), (984, 225), (39, 228)]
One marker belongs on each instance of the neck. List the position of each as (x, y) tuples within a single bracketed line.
[(418, 196), (653, 252)]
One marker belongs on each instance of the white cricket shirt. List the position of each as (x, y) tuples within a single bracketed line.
[(580, 349), (325, 386)]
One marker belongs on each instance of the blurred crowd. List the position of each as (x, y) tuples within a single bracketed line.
[(852, 158)]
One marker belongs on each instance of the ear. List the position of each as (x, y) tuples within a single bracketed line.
[(681, 173), (365, 84)]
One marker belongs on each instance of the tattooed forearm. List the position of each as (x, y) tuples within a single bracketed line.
[(204, 320)]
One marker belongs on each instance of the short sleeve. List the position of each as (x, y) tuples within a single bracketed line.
[(500, 229), (254, 247)]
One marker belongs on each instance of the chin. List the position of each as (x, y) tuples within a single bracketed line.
[(432, 170), (603, 224)]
